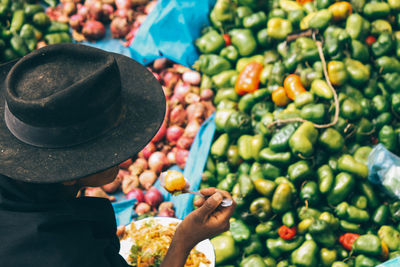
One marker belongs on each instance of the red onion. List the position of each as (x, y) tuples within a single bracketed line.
[(184, 142), (166, 205), (166, 213), (153, 197), (192, 128), (206, 94), (142, 208), (128, 14), (129, 182), (191, 77), (171, 156), (210, 108), (83, 11), (119, 27), (138, 166), (123, 173), (69, 8), (173, 133), (170, 78), (181, 157), (195, 111), (161, 132), (126, 164), (135, 193), (76, 21), (147, 179), (113, 186), (181, 90), (108, 11), (93, 30), (191, 98), (160, 63), (149, 149), (139, 20), (178, 115), (158, 161), (95, 9), (123, 4)]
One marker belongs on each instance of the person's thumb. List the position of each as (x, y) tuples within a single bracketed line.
[(211, 204)]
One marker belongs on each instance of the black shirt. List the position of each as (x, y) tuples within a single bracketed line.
[(47, 232)]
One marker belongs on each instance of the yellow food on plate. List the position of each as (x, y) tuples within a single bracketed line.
[(174, 181), (150, 244)]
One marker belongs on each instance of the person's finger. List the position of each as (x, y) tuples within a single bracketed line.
[(210, 204), (226, 212), (199, 202), (208, 191), (225, 194)]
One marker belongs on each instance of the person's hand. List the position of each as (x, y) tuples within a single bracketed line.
[(209, 220)]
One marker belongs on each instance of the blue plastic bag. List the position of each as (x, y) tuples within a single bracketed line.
[(384, 169), (193, 170), (170, 30)]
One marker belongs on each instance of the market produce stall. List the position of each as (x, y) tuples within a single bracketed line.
[(304, 90)]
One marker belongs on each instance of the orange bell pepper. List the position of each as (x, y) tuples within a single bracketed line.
[(279, 97), (385, 251), (340, 10), (249, 78), (293, 86), (302, 2)]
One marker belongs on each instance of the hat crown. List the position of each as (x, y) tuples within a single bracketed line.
[(61, 85)]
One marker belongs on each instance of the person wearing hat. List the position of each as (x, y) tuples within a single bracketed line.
[(69, 115)]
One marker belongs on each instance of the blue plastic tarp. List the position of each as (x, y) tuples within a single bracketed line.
[(169, 31)]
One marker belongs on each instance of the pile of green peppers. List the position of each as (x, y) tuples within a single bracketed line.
[(24, 23), (296, 175)]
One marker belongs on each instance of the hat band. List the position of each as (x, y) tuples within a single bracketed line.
[(58, 137)]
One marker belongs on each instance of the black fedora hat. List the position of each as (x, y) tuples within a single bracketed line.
[(69, 110)]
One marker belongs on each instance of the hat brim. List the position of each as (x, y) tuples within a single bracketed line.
[(144, 103)]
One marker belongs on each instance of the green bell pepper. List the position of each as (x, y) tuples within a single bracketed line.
[(313, 112), (359, 201), (224, 248), (270, 171), (261, 208), (381, 215), (368, 191), (222, 169), (281, 200), (346, 226), (392, 81), (211, 64), (244, 41), (245, 185), (303, 140), (328, 256), (244, 145), (348, 164), (227, 182), (310, 193), (306, 254), (367, 244), (223, 79), (276, 247), (356, 215), (321, 19), (359, 51), (387, 64), (222, 13), (343, 185), (280, 140), (260, 109), (321, 89), (220, 146), (390, 236), (322, 233), (303, 99), (325, 178), (330, 219), (267, 229), (383, 45), (364, 261), (238, 123), (331, 140), (264, 187), (380, 26), (255, 20), (230, 53), (388, 137), (382, 120), (358, 73), (41, 20), (279, 28), (264, 39), (308, 213), (289, 219), (337, 73), (376, 10), (362, 153), (299, 171), (253, 260), (276, 158), (239, 230), (233, 156)]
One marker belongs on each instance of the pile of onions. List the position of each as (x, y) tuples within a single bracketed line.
[(88, 18), (187, 108)]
